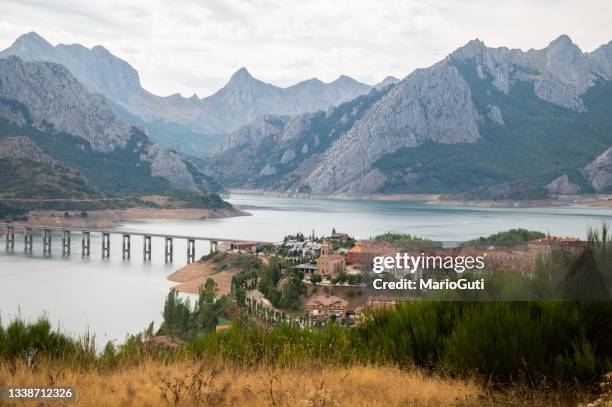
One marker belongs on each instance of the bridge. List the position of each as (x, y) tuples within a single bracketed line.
[(126, 236)]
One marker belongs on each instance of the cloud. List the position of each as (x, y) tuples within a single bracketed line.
[(195, 45)]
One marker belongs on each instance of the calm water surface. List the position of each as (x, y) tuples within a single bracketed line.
[(111, 298)]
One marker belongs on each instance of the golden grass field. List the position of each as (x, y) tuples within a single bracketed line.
[(195, 384)]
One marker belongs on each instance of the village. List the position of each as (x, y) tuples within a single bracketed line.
[(310, 280)]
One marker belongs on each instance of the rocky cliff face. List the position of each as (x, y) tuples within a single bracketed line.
[(255, 132), (433, 104), (599, 171), (562, 186), (168, 164), (56, 101)]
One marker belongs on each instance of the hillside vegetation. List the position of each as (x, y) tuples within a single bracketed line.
[(466, 354)]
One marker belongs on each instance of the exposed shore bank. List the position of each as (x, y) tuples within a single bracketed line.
[(109, 218), (596, 201), (191, 277)]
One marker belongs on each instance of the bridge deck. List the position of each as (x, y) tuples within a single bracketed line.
[(125, 232)]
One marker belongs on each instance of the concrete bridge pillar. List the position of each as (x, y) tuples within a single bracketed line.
[(66, 243), (27, 240), (169, 250), (47, 241), (126, 246), (85, 243), (213, 246), (10, 237), (105, 245), (146, 248), (190, 251)]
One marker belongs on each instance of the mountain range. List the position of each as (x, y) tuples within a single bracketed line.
[(486, 122), (190, 124)]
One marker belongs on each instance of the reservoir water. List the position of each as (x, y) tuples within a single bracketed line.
[(113, 297)]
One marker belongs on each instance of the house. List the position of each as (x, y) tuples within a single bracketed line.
[(238, 246), (548, 243), (324, 306), (365, 251), (244, 246), (306, 268)]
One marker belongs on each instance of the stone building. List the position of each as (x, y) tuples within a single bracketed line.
[(324, 306)]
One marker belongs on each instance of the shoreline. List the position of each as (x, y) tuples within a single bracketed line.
[(594, 201), (110, 218)]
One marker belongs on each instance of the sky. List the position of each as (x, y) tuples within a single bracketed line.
[(194, 46)]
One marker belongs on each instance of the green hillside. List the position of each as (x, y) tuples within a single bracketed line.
[(120, 171), (32, 179)]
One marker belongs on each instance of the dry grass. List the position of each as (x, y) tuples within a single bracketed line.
[(192, 276), (220, 384), (189, 384)]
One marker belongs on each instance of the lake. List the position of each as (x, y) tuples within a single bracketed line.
[(111, 298)]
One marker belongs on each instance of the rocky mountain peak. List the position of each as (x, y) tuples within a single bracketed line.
[(473, 49), (312, 82), (563, 52), (29, 45), (389, 80), (241, 76), (561, 41), (101, 50), (344, 80), (31, 39)]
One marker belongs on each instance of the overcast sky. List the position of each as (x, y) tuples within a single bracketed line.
[(194, 46)]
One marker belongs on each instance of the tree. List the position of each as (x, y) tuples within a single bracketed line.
[(315, 278), (177, 315), (207, 292)]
